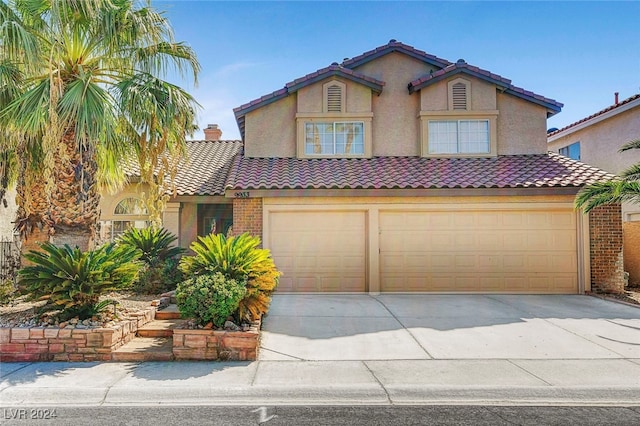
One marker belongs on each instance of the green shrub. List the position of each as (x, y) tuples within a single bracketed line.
[(158, 279), (239, 258), (161, 271), (153, 243), (210, 297), (72, 281), (8, 291)]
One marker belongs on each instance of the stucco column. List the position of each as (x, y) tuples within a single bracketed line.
[(171, 219)]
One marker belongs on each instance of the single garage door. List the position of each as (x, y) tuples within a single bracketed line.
[(509, 251), (319, 251)]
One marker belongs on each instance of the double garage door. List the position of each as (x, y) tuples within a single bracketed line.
[(514, 250)]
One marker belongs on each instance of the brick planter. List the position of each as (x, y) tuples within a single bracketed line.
[(217, 345), (66, 344)]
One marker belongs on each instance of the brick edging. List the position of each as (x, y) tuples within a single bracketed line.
[(23, 344), (198, 344)]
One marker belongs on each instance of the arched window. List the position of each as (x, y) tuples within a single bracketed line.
[(130, 206), (130, 213)]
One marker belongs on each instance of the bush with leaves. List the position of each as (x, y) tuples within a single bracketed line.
[(210, 297), (159, 256), (72, 281), (239, 258)]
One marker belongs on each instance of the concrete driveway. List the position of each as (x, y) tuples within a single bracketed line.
[(418, 327)]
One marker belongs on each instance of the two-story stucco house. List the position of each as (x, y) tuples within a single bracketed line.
[(398, 171), (596, 140)]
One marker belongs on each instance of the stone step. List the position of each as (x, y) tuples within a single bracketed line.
[(160, 328), (145, 349), (170, 312)]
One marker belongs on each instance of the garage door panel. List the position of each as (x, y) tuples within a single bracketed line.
[(319, 251), (485, 251)]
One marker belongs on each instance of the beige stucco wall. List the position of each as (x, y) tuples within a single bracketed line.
[(600, 142), (435, 96), (522, 126), (396, 126), (270, 131), (358, 97), (7, 215), (188, 224)]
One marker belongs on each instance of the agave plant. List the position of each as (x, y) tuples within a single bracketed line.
[(154, 243), (238, 258), (72, 281)]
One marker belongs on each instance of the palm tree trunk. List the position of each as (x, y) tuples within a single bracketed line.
[(31, 215), (74, 211)]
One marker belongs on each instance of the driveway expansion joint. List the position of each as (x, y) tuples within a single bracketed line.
[(402, 325)]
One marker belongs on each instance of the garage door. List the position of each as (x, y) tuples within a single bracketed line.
[(511, 251), (319, 251)]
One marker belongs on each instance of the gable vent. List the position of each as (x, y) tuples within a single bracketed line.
[(459, 96), (334, 98)]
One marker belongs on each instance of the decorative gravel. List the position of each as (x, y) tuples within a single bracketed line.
[(21, 313)]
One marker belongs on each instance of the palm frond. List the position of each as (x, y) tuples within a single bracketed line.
[(611, 192), (634, 144)]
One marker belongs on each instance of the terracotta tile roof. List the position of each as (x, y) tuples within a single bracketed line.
[(599, 113), (295, 85), (395, 46), (205, 170), (516, 171), (462, 67)]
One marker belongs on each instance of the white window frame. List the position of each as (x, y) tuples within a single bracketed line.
[(484, 115), (458, 136), (335, 134), (317, 118)]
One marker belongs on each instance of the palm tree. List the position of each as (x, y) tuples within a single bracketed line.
[(83, 88), (625, 189)]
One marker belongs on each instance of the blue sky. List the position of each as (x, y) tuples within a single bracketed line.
[(578, 53)]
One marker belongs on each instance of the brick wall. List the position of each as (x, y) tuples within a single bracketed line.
[(247, 216), (67, 344), (605, 232), (217, 345)]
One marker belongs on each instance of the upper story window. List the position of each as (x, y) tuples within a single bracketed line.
[(459, 94), (571, 151), (334, 138), (459, 137)]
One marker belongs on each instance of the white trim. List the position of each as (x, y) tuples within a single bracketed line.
[(594, 120)]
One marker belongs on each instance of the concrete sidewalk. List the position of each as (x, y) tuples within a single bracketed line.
[(469, 382)]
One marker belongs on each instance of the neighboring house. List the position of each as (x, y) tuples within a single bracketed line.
[(596, 140), (398, 171)]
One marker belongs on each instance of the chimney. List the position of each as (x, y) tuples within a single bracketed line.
[(212, 133), (616, 97)]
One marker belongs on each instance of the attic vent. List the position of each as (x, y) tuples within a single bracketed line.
[(459, 96), (334, 98)]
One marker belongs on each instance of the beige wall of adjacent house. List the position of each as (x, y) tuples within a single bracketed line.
[(8, 215), (600, 142), (599, 145)]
